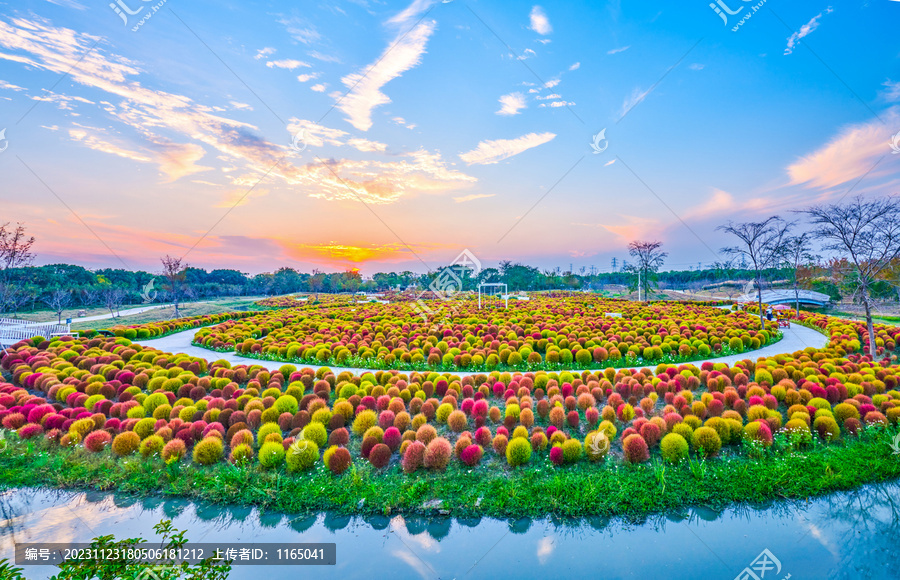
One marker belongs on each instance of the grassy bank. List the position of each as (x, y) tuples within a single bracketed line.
[(167, 313), (492, 489)]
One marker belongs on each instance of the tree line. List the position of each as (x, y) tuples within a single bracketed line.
[(862, 237)]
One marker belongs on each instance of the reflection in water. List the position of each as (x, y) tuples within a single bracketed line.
[(847, 535)]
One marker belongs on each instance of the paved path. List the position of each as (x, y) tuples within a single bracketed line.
[(138, 310), (795, 338)]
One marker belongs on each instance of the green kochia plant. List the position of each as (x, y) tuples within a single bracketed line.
[(127, 569)]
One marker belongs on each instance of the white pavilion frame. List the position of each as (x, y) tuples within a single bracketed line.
[(494, 285)]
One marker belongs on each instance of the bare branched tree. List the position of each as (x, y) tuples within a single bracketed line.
[(762, 244), (113, 298), (797, 254), (175, 273), (648, 259), (867, 232), (88, 296), (57, 301), (13, 298), (15, 249)]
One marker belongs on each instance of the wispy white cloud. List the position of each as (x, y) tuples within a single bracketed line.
[(264, 52), (402, 121), (241, 106), (10, 86), (319, 88), (891, 91), (287, 63), (409, 14), (324, 57), (556, 104), (805, 31), (367, 146), (849, 155), (539, 21), (575, 66), (300, 30), (697, 66), (637, 95), (494, 151), (307, 77), (618, 50), (402, 54), (473, 197), (68, 4), (239, 197), (63, 102), (175, 160), (97, 143), (511, 104)]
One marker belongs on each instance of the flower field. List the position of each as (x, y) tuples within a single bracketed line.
[(571, 332), (109, 398)]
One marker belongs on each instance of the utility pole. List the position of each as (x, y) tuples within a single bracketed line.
[(639, 286), (614, 263)]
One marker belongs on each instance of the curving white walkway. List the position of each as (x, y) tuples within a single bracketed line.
[(795, 338)]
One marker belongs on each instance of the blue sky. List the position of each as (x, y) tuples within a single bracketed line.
[(430, 127)]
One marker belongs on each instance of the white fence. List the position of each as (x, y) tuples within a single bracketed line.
[(14, 330)]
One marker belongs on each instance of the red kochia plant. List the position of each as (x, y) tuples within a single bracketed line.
[(651, 434), (437, 454), (635, 449), (414, 457), (392, 438), (339, 437), (483, 436), (97, 441), (339, 461), (471, 455), (29, 430), (380, 455), (556, 455), (13, 421)]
